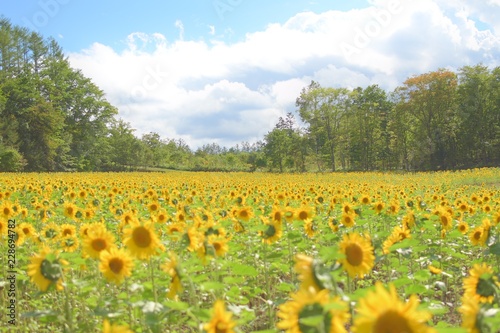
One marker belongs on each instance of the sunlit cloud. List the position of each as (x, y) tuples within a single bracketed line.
[(214, 91)]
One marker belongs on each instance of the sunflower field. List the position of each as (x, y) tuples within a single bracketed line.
[(250, 252)]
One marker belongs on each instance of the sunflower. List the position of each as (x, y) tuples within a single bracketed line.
[(390, 241), (238, 226), (348, 219), (273, 231), (50, 231), (347, 208), (470, 311), (127, 219), (7, 210), (496, 219), (114, 328), (98, 239), (277, 214), (69, 243), (67, 230), (45, 269), (162, 216), (70, 210), (445, 220), (401, 232), (478, 236), (358, 255), (27, 229), (463, 207), (171, 267), (193, 239), (318, 304), (394, 208), (88, 213), (409, 220), (142, 240), (244, 213), (221, 321), (289, 214), (305, 267), (378, 207), (382, 311), (365, 199), (219, 245), (83, 231), (115, 264), (176, 229), (18, 236), (153, 207), (303, 213), (463, 227), (486, 208), (309, 228), (481, 283)]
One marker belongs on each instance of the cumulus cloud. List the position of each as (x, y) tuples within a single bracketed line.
[(207, 91)]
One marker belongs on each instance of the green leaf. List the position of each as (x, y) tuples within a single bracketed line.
[(245, 270), (422, 275), (402, 282), (495, 249), (211, 285), (437, 309), (415, 289), (285, 287), (180, 306), (233, 279)]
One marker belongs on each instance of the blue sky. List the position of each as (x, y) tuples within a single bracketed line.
[(224, 71), (76, 24)]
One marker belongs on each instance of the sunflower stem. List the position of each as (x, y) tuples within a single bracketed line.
[(268, 287), (67, 306), (153, 279), (348, 284), (129, 307), (290, 255)]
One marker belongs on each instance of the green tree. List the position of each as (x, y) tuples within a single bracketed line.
[(281, 145), (478, 107), (430, 101), (368, 137), (323, 110)]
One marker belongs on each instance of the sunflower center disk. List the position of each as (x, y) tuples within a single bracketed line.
[(116, 265), (50, 270), (391, 322), (99, 244), (485, 288), (354, 254), (142, 237)]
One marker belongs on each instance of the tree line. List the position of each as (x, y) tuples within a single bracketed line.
[(53, 118)]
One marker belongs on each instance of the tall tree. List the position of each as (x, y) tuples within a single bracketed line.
[(479, 109), (368, 131), (323, 109), (430, 100)]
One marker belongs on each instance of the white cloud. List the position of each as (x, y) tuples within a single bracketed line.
[(180, 26), (213, 91), (212, 30)]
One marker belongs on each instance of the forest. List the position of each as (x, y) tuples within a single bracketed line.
[(53, 118)]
